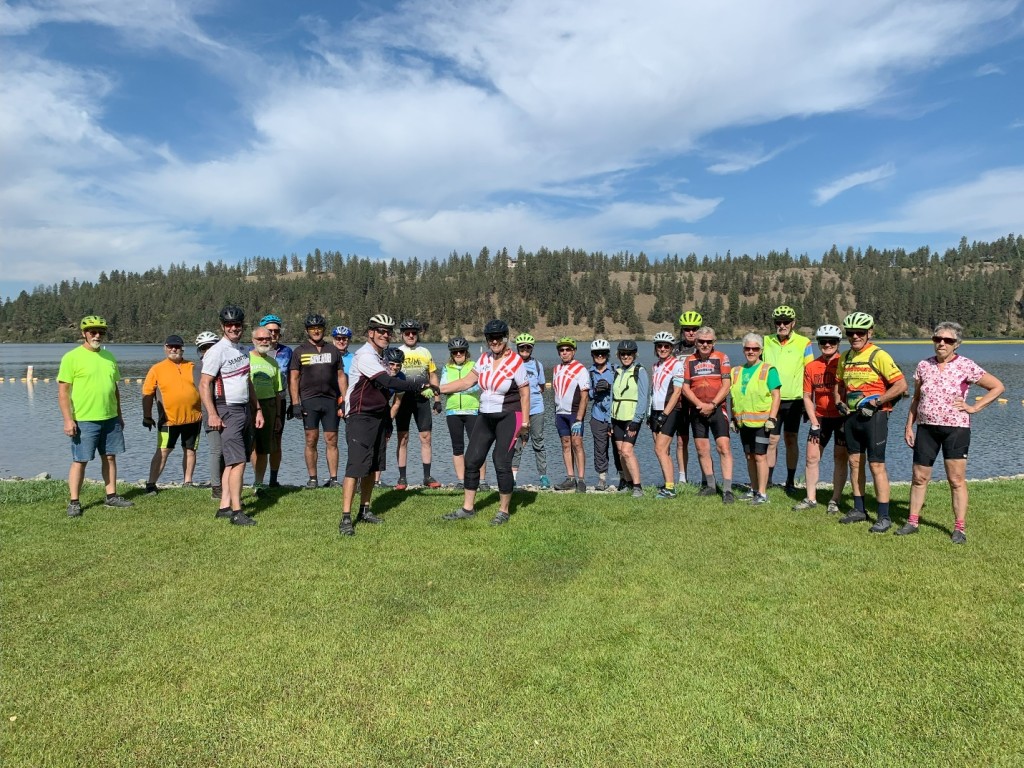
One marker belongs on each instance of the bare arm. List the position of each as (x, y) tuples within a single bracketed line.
[(995, 389), (64, 399), (915, 401), (206, 397)]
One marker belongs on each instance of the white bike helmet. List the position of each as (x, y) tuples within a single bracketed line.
[(664, 336), (829, 332), (206, 337), (600, 345)]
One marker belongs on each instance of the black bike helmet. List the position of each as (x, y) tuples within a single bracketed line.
[(410, 325), (496, 328), (628, 345), (315, 321), (232, 314), (394, 355), (458, 343)]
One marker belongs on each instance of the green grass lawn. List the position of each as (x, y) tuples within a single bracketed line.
[(591, 630)]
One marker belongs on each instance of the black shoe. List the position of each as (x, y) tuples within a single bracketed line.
[(881, 525), (707, 490), (459, 487), (581, 486), (151, 489), (906, 530), (332, 483), (345, 527), (460, 514), (117, 501), (187, 484), (569, 484), (240, 518), (216, 491), (224, 512), (366, 516), (958, 537), (312, 483), (273, 484), (500, 519), (75, 509), (728, 498), (854, 516)]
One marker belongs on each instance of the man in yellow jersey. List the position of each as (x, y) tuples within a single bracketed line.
[(789, 353), (868, 384), (418, 367)]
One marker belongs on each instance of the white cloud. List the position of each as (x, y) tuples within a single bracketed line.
[(739, 162), (443, 124), (834, 188), (988, 69)]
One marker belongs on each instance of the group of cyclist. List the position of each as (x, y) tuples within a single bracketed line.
[(496, 405)]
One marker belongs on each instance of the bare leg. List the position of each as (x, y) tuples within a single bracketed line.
[(312, 455), (331, 438), (76, 476)]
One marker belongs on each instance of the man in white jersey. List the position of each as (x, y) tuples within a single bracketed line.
[(230, 400), (571, 384)]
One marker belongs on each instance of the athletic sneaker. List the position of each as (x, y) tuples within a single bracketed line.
[(805, 504), (312, 483), (483, 486), (273, 484), (401, 485), (638, 492), (906, 530), (749, 495), (459, 487), (790, 490), (224, 512), (345, 527), (366, 516), (707, 490), (545, 483), (602, 485), (854, 516), (665, 493), (569, 484), (240, 518), (833, 508), (216, 491), (117, 501), (431, 482), (881, 525), (332, 483), (624, 487), (958, 537), (581, 486), (75, 509), (759, 498), (187, 484), (500, 519), (727, 497), (151, 489), (460, 514)]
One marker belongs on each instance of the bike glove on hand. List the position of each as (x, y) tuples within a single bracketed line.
[(577, 428), (843, 409), (868, 406), (295, 412), (770, 424), (437, 406), (814, 433), (658, 421), (148, 422)]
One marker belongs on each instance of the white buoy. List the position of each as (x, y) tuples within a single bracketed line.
[(28, 374)]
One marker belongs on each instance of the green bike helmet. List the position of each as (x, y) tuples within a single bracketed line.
[(858, 321), (691, 319), (92, 321), (785, 312), (566, 341), (525, 338)]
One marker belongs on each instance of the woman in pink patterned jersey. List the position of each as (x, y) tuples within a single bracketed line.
[(943, 419)]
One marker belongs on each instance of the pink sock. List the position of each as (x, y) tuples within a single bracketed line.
[(959, 525), (913, 520)]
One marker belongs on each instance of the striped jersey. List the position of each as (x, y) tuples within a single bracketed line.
[(500, 380), (568, 380), (666, 376)]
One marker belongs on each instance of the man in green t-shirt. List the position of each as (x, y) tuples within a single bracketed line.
[(265, 374), (91, 407)]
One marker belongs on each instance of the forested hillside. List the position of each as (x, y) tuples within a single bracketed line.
[(548, 292)]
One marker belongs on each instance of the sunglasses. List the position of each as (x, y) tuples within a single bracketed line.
[(828, 342), (381, 330), (95, 332), (784, 322), (232, 326), (852, 334), (705, 341), (491, 339), (566, 349), (526, 347), (173, 346), (599, 354), (662, 345), (409, 331), (459, 352), (694, 329), (751, 349), (943, 340), (627, 354)]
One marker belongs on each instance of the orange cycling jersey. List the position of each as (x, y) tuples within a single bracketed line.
[(704, 377), (819, 382)]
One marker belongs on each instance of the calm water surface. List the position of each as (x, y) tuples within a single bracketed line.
[(33, 440)]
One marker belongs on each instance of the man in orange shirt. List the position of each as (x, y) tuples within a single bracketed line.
[(178, 411)]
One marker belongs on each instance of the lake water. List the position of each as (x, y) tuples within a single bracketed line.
[(33, 440)]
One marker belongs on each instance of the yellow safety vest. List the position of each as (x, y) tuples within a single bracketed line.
[(751, 404), (625, 393)]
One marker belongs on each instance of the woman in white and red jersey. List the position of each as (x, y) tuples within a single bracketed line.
[(504, 417), (666, 390)]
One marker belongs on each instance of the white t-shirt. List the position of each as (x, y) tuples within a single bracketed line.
[(567, 381), (229, 365), (363, 395), (500, 381)]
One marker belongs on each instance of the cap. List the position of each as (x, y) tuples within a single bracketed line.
[(174, 341)]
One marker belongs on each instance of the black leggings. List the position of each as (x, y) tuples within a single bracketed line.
[(499, 430), (458, 425)]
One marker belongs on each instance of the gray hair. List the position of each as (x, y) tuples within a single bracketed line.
[(754, 337), (706, 330), (947, 325)]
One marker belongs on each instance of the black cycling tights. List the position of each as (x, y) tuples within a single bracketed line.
[(499, 430)]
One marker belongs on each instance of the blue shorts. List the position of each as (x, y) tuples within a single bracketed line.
[(107, 437), (563, 423)]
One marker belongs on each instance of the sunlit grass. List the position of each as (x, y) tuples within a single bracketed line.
[(590, 630)]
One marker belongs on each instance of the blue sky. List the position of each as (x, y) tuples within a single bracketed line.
[(140, 134)]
